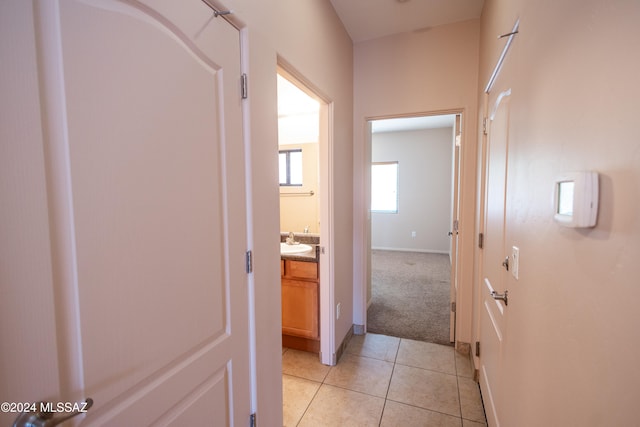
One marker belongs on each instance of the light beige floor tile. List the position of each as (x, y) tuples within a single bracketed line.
[(334, 406), (420, 392), (427, 355), (297, 394), (467, 423), (304, 365), (397, 414), (470, 400), (361, 374), (375, 346), (424, 388), (464, 367)]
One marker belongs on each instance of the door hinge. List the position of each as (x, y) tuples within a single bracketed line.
[(453, 306), (249, 261), (484, 126), (477, 348), (480, 240), (252, 420), (244, 86)]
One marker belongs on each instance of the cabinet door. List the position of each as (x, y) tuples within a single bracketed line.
[(302, 270), (300, 308)]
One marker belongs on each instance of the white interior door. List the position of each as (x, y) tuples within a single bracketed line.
[(145, 185), (494, 311)]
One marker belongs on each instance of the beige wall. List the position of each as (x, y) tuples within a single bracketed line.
[(424, 190), (572, 336), (309, 37), (417, 72), (298, 211)]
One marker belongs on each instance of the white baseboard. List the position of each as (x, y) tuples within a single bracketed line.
[(426, 251)]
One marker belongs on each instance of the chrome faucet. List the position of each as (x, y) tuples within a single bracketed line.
[(291, 239)]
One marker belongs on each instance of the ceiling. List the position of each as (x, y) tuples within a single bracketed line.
[(298, 115), (367, 20), (370, 19), (413, 123)]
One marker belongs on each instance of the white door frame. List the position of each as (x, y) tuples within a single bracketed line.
[(366, 259), (455, 224), (325, 149)]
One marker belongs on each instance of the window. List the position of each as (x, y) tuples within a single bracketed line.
[(384, 187), (291, 167)]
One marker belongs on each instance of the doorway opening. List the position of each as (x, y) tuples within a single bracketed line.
[(414, 217), (305, 195)]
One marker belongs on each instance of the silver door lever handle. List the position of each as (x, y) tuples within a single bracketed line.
[(501, 297), (43, 415)]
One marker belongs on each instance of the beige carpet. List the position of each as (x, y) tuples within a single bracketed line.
[(410, 295)]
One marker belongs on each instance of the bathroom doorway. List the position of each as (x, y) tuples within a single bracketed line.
[(298, 149), (306, 185), (414, 217)]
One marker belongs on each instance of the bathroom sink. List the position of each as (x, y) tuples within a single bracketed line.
[(298, 248)]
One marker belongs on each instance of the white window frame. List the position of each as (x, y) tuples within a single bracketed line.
[(386, 200), (287, 182)]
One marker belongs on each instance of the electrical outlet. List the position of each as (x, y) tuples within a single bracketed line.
[(515, 261), (338, 311), (414, 234)]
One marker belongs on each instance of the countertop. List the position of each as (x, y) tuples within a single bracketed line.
[(308, 239)]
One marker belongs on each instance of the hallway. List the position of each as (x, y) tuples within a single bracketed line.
[(382, 381)]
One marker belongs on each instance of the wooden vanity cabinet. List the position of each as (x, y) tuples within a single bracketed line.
[(300, 305)]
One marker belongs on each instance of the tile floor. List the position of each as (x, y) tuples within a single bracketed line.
[(382, 381)]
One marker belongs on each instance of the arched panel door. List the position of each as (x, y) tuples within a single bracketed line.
[(494, 295), (145, 179)]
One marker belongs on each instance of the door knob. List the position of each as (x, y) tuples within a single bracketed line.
[(505, 263), (501, 297), (43, 415)]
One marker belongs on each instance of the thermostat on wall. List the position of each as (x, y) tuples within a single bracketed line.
[(576, 199)]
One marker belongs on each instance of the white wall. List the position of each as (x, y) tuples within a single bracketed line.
[(572, 342), (405, 74), (424, 190)]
